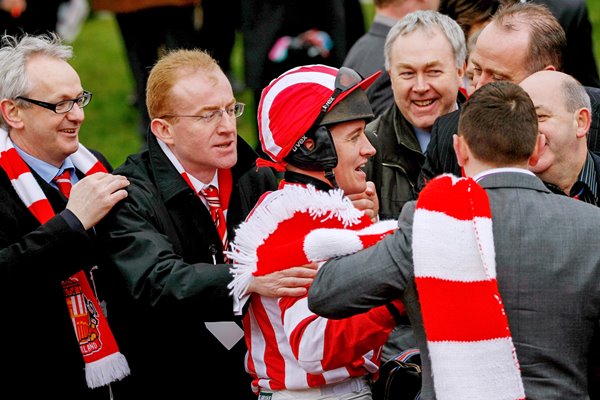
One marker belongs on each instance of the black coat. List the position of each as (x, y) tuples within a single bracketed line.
[(37, 343), (161, 285)]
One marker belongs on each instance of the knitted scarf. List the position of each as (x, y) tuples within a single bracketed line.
[(469, 341), (103, 361), (296, 225)]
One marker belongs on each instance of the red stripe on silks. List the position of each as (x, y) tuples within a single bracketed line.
[(463, 200), (274, 361), (461, 311)]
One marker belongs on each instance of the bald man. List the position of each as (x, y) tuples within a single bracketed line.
[(563, 107)]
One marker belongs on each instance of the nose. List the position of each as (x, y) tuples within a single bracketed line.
[(482, 80), (76, 113), (227, 122), (367, 148), (421, 84)]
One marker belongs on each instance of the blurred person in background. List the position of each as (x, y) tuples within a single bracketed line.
[(366, 56)]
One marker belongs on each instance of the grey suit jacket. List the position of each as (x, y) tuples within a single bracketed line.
[(548, 272)]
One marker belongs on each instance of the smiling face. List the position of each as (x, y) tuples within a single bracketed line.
[(565, 138), (353, 151), (425, 77), (40, 132), (201, 147)]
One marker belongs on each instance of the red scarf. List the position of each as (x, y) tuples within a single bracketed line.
[(469, 341), (103, 361)]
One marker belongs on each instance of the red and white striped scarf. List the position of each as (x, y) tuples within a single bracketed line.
[(469, 341), (103, 361)]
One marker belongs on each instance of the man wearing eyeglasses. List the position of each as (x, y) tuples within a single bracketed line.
[(168, 300), (53, 192)]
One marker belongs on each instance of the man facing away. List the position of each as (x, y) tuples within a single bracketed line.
[(547, 280), (168, 298)]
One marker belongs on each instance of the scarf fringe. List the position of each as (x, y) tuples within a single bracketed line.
[(106, 370), (277, 207)]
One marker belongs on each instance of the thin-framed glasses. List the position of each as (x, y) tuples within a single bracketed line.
[(62, 107), (235, 110)]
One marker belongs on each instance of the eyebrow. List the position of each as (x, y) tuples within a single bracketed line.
[(428, 64)]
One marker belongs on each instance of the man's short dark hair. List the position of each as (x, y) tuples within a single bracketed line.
[(499, 124)]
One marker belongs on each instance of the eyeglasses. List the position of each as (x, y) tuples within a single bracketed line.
[(235, 110), (345, 79), (62, 107)]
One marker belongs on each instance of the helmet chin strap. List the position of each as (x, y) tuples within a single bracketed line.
[(331, 178)]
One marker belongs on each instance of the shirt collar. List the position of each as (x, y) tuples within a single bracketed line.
[(46, 171), (199, 185), (502, 170)]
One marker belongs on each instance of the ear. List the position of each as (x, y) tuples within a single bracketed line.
[(584, 120), (538, 150), (162, 130), (10, 113), (461, 149), (550, 68), (461, 73)]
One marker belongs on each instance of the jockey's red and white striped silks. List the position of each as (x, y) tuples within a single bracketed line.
[(103, 361), (469, 341)]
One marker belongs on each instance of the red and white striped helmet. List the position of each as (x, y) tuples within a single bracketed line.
[(292, 102)]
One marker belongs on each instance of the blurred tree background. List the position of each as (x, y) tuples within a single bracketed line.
[(111, 118)]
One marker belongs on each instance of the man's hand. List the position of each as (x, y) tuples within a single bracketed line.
[(93, 197), (367, 201), (292, 282)]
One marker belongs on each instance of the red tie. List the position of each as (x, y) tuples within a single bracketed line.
[(63, 181), (211, 194)]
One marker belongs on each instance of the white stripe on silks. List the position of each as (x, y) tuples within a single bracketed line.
[(501, 380), (457, 256), (336, 375)]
